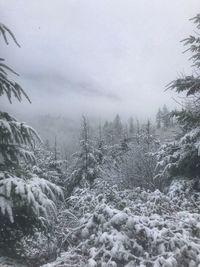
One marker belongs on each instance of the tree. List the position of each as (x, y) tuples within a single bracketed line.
[(49, 168), (181, 158), (131, 127), (86, 162), (138, 126), (137, 163), (108, 133), (148, 133), (165, 117), (55, 149), (26, 201), (158, 118), (117, 128)]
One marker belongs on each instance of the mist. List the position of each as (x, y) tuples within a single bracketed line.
[(96, 57), (99, 133)]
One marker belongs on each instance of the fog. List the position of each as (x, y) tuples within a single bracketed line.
[(97, 57), (102, 166)]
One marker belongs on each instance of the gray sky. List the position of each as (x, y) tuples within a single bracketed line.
[(97, 57)]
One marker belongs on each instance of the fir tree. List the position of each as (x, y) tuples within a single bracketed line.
[(158, 118), (48, 167), (108, 133), (131, 126), (117, 128), (24, 198), (181, 158), (165, 117), (138, 126), (148, 133), (86, 164)]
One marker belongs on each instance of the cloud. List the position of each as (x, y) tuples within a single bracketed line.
[(102, 57), (57, 83)]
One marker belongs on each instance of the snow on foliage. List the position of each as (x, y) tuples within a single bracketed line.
[(49, 168), (26, 201), (8, 262), (15, 141), (131, 163), (37, 194), (180, 157), (132, 228)]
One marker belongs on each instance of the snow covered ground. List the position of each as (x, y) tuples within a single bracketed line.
[(132, 228), (7, 262)]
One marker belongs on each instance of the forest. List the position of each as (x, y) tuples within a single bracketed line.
[(115, 192)]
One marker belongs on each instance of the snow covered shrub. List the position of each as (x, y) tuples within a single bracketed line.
[(135, 166), (133, 228), (82, 201), (9, 262), (49, 168), (37, 249)]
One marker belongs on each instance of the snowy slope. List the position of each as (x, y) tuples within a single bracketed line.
[(134, 228)]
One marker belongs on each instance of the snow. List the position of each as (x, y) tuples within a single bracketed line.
[(9, 262), (153, 229), (33, 193), (174, 156)]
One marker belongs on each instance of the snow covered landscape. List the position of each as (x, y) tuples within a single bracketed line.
[(94, 181)]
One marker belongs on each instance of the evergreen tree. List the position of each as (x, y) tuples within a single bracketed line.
[(165, 117), (158, 118), (49, 168), (24, 198), (131, 126), (86, 165), (181, 158), (148, 131), (108, 133), (148, 127), (100, 135), (125, 133), (117, 128), (138, 126), (47, 144), (55, 149)]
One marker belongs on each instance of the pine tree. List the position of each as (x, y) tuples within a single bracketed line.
[(55, 149), (138, 126), (158, 118), (148, 133), (100, 135), (165, 117), (24, 198), (48, 167), (108, 133), (105, 132), (125, 132), (117, 128), (131, 126), (181, 158), (86, 164)]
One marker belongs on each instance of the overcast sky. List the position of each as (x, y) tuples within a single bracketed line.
[(97, 57)]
